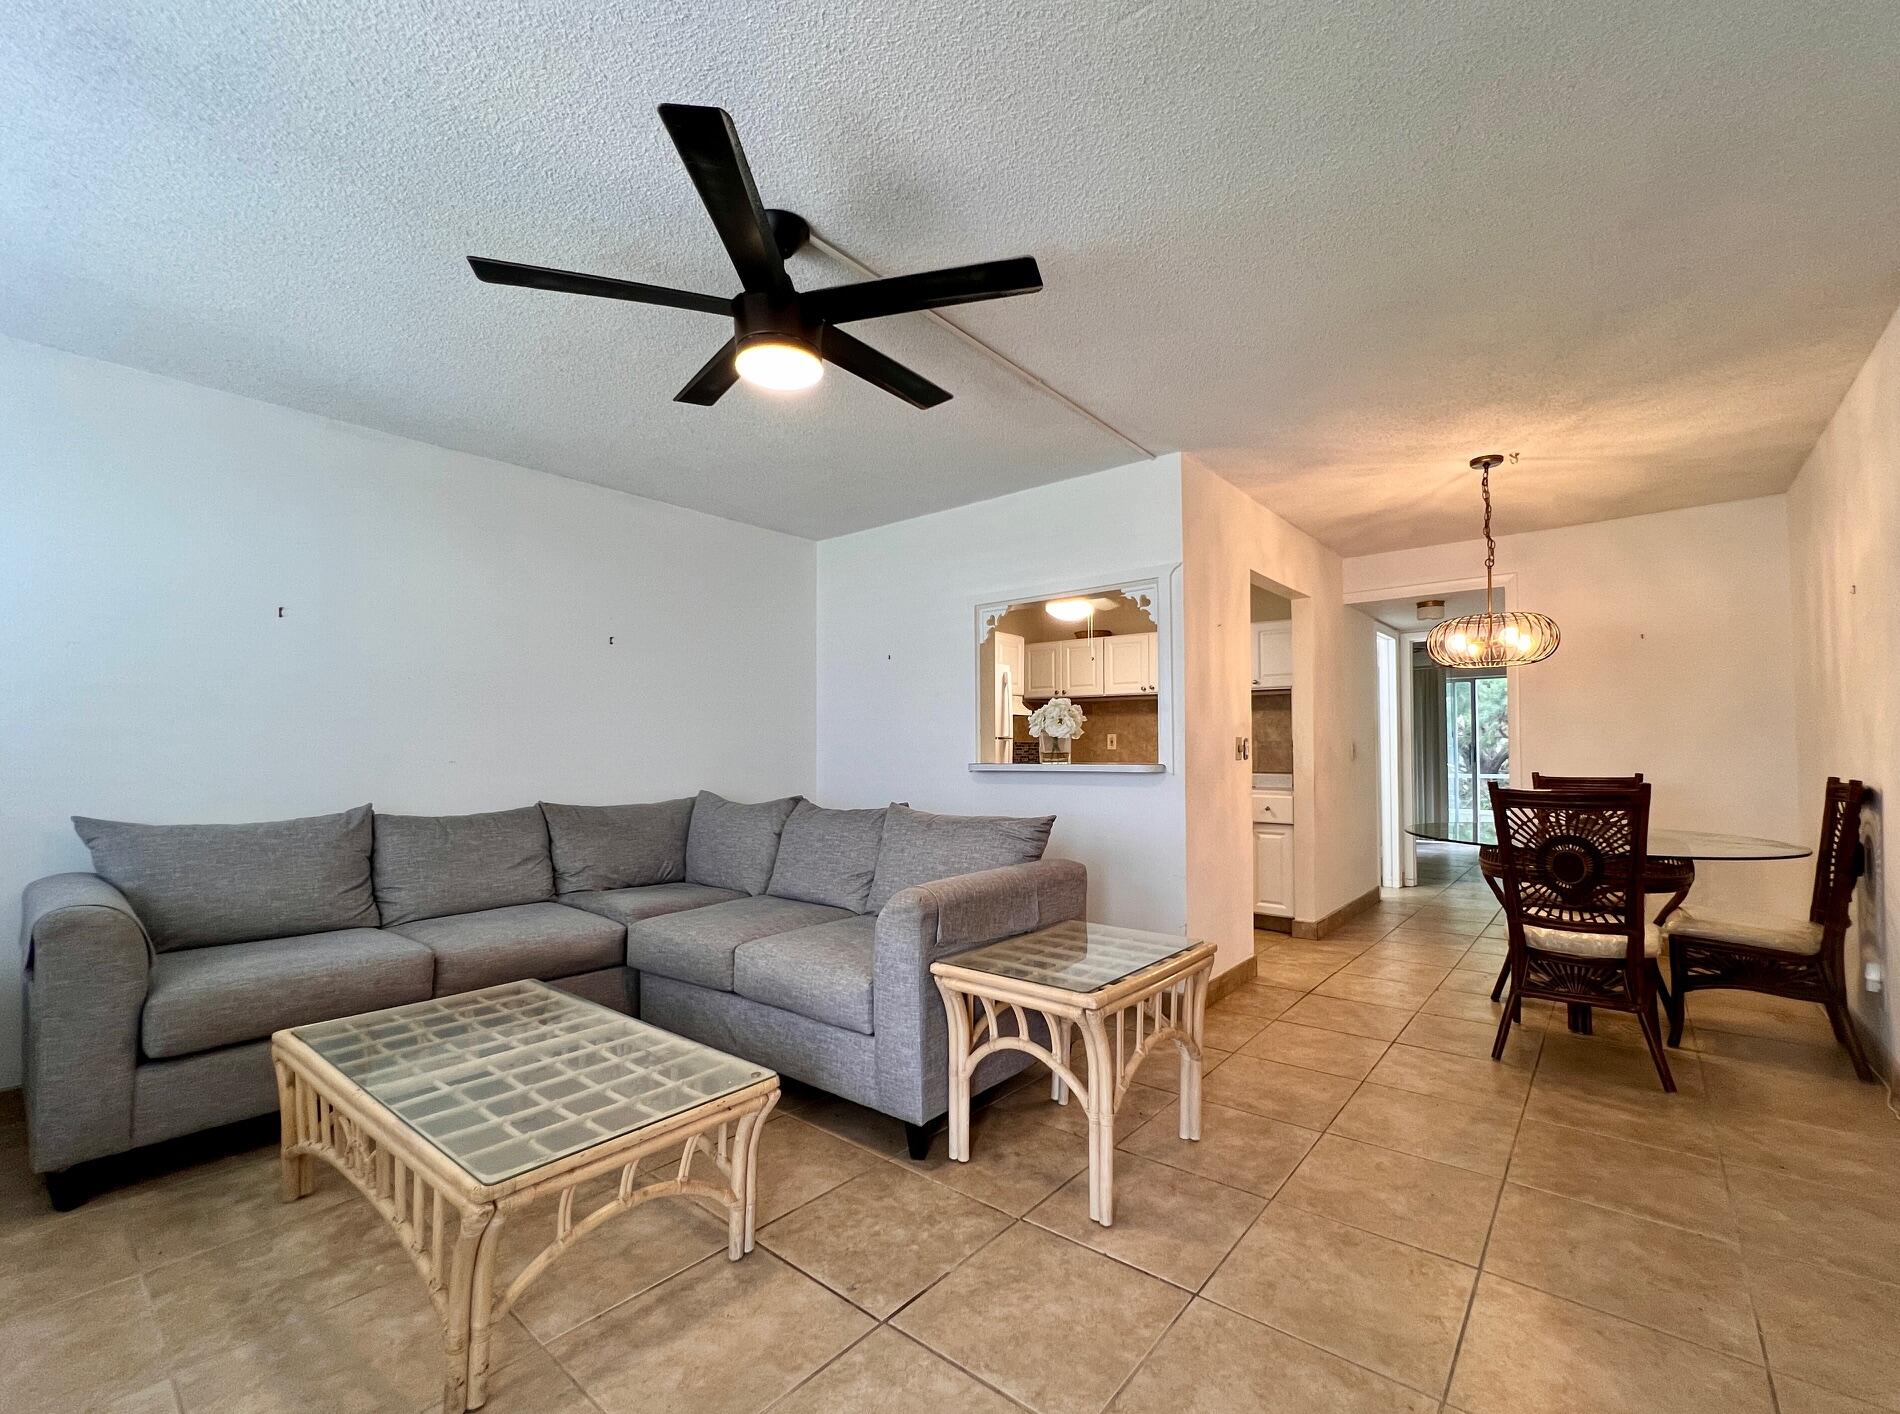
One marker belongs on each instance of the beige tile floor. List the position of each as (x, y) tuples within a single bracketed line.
[(1379, 1218)]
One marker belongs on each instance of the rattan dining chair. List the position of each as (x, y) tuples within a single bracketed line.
[(1572, 866), (1539, 781), (1798, 958)]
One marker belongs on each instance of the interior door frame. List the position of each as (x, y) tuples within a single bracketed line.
[(1389, 651), (1513, 703)]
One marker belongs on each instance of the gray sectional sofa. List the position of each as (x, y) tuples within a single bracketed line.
[(796, 936)]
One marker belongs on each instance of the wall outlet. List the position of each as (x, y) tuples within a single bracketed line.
[(1111, 741), (1241, 748)]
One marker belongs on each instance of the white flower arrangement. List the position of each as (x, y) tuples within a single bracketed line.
[(1059, 718)]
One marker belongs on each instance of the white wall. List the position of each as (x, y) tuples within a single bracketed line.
[(444, 644), (1227, 537), (897, 655), (1676, 661), (1844, 534)]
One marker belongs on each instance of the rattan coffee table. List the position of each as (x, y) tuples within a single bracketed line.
[(1128, 991), (451, 1116)]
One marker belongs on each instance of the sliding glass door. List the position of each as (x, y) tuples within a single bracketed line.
[(1477, 743)]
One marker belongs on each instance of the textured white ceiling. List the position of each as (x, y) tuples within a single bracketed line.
[(1336, 248)]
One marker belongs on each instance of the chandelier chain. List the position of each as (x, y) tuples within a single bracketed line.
[(1490, 546)]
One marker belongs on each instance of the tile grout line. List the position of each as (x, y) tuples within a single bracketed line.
[(1484, 1250)]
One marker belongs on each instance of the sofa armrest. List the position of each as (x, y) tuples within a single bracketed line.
[(87, 961), (933, 921)]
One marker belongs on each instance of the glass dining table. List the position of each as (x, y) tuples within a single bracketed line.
[(1669, 868)]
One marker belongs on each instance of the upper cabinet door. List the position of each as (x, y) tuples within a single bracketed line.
[(1082, 667), (1128, 664), (1273, 654), (1042, 675)]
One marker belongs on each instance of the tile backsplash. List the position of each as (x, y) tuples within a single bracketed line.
[(1132, 720), (1272, 732)]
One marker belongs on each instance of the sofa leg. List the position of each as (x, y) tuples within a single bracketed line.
[(67, 1189), (917, 1138)]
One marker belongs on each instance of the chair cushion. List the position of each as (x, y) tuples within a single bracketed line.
[(431, 865), (823, 972), (206, 997), (827, 856), (733, 846), (919, 848), (203, 885), (527, 941), (617, 846), (1590, 944), (697, 946), (1777, 934), (648, 901)]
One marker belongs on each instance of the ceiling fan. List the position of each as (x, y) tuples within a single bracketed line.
[(781, 337)]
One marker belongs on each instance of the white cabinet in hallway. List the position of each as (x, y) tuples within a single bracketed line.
[(1273, 654), (1119, 665), (1273, 870)]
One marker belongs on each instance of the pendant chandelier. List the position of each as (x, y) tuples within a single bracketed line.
[(1488, 640)]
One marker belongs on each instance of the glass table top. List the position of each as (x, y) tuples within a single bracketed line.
[(510, 1078), (1663, 844), (1075, 956)]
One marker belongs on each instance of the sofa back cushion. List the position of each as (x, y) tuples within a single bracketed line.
[(195, 886), (733, 846), (828, 856), (431, 865), (918, 847), (617, 846)]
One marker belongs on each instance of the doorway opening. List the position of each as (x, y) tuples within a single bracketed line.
[(1445, 734)]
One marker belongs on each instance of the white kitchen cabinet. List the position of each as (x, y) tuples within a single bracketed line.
[(1128, 665), (1082, 667), (1043, 675), (1119, 665), (1273, 654), (1273, 870)]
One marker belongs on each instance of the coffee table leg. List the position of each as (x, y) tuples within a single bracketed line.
[(1059, 1047), (481, 1306), (956, 1008), (1102, 1082), (458, 1314), (1194, 1004), (298, 1175)]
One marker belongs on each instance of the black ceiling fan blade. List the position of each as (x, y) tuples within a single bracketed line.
[(710, 383), (535, 277), (709, 146), (933, 289), (880, 372)]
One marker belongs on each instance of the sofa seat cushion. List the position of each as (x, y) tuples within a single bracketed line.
[(648, 901), (697, 946), (206, 997), (823, 972), (528, 941)]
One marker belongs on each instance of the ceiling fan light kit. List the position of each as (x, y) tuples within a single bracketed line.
[(781, 337), (1508, 640)]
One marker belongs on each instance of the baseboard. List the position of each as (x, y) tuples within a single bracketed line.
[(1338, 918), (1271, 923), (1233, 979)]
